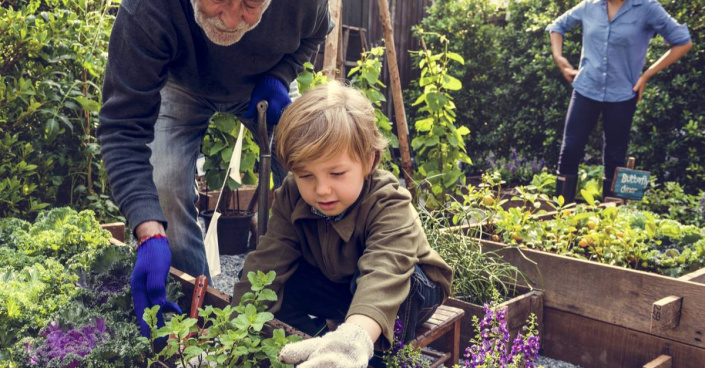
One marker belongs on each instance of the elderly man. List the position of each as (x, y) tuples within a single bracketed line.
[(172, 64)]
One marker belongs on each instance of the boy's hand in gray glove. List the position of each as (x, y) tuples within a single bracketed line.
[(349, 346)]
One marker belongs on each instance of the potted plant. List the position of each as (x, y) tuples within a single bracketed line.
[(218, 145)]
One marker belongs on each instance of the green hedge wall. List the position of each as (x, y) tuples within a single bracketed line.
[(514, 97)]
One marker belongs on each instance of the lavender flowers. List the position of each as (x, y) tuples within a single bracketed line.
[(489, 347), (403, 356)]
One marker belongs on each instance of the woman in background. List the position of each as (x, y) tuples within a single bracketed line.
[(609, 80)]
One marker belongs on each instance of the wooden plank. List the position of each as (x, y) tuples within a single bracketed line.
[(117, 230), (695, 276), (663, 361), (666, 313), (595, 344), (607, 293)]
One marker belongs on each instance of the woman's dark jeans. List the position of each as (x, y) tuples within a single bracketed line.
[(580, 121), (309, 292)]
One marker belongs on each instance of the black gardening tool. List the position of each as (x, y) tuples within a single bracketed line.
[(265, 161)]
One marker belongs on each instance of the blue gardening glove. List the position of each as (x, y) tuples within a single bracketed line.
[(148, 280), (275, 93)]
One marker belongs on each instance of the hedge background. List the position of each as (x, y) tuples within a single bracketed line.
[(514, 97)]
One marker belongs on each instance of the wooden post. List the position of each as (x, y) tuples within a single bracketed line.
[(396, 92), (330, 55), (630, 162)]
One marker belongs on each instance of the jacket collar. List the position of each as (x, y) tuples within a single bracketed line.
[(345, 226)]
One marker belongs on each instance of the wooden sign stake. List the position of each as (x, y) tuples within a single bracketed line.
[(666, 313)]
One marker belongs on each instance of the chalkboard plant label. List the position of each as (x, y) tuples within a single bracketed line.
[(630, 183)]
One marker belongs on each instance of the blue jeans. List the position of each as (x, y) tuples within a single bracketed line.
[(309, 292), (580, 121), (178, 133)]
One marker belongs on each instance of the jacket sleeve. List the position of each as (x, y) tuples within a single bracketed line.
[(279, 250), (292, 64), (568, 20), (134, 75), (393, 239)]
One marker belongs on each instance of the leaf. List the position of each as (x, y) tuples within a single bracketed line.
[(424, 125), (88, 104), (456, 57), (451, 83)]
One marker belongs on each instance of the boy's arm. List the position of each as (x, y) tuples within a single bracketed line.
[(370, 325)]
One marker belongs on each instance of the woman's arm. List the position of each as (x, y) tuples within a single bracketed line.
[(668, 58), (564, 65)]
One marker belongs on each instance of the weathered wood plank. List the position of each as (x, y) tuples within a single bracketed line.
[(595, 344), (695, 276), (607, 293), (663, 361)]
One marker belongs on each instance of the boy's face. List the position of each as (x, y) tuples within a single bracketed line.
[(333, 184)]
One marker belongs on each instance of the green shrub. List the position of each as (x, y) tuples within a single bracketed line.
[(52, 57)]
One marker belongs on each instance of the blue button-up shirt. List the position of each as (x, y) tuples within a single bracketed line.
[(614, 52)]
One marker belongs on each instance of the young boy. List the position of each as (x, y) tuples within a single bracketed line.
[(343, 237)]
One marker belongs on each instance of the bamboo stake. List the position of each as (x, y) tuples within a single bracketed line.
[(396, 92), (330, 55)]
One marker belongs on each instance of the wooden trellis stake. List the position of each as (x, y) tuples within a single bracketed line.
[(396, 92), (332, 45)]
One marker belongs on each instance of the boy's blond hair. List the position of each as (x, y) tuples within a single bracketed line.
[(326, 121)]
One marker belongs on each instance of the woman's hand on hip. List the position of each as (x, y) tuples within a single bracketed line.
[(566, 68), (640, 86)]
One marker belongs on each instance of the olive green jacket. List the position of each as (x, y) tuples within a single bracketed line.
[(380, 234)]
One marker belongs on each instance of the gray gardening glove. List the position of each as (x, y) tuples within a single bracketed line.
[(349, 346)]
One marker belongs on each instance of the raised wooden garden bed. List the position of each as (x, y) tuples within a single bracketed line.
[(597, 315)]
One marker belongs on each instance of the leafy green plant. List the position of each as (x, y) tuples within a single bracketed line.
[(218, 145), (620, 236), (220, 341), (671, 201), (310, 78), (439, 145), (51, 61), (365, 77)]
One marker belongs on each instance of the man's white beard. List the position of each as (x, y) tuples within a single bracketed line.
[(215, 29)]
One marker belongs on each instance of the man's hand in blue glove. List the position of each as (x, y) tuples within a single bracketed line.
[(149, 280), (275, 93)]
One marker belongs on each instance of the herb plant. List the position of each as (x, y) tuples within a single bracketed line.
[(222, 341), (476, 274)]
